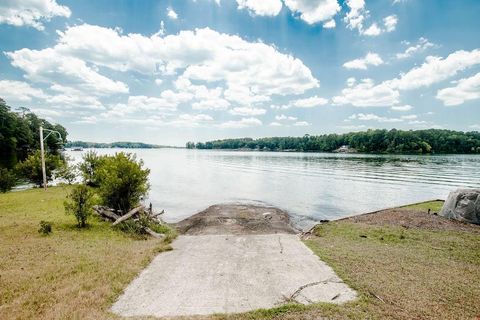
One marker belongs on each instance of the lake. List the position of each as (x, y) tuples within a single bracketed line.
[(310, 186)]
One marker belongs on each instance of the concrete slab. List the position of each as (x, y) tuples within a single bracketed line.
[(208, 274)]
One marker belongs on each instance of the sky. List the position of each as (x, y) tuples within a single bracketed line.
[(168, 72)]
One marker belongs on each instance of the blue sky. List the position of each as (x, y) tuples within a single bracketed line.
[(168, 72)]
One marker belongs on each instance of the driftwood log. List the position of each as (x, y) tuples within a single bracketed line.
[(117, 217)]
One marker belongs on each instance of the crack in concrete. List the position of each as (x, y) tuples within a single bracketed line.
[(311, 284)]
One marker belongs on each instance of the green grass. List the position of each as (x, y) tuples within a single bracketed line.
[(71, 273), (434, 206)]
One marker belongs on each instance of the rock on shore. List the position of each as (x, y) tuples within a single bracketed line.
[(463, 205)]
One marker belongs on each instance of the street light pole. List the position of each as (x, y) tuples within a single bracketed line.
[(42, 151)]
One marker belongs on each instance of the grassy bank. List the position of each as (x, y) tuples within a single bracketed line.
[(71, 273)]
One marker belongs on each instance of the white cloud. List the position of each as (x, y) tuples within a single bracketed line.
[(261, 7), (357, 15), (465, 90), (158, 82), (314, 11), (284, 117), (422, 45), (247, 111), (373, 30), (367, 94), (390, 23), (436, 69), (363, 63), (171, 13), (243, 123), (252, 69), (406, 107), (31, 13), (310, 102), (275, 124), (372, 117), (301, 124), (330, 24), (51, 67), (19, 91)]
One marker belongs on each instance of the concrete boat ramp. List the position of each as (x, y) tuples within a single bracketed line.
[(245, 267)]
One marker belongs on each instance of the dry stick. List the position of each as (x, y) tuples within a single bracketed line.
[(106, 213), (128, 215), (153, 233)]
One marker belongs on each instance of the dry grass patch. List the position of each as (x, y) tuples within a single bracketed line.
[(71, 273)]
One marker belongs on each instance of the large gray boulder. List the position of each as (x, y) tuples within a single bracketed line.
[(462, 205)]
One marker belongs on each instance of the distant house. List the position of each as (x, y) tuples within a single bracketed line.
[(345, 148)]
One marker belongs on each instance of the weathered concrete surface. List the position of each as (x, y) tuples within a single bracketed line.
[(207, 274), (462, 205)]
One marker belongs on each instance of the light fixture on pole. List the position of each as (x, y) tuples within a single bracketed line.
[(42, 151)]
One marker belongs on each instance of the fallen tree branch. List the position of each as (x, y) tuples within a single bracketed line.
[(153, 233), (130, 214)]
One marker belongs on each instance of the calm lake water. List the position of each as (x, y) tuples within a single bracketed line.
[(310, 186)]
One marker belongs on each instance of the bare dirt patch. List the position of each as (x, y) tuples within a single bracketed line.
[(410, 218), (237, 219)]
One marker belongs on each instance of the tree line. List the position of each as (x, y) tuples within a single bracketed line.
[(371, 141), (19, 132), (118, 144)]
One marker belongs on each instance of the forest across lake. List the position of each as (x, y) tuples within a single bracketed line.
[(371, 141)]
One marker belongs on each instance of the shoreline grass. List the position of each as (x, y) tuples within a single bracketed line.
[(71, 273)]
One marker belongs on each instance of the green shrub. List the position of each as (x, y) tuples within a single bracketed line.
[(8, 180), (122, 181), (89, 167), (31, 168), (45, 228), (67, 172), (79, 203)]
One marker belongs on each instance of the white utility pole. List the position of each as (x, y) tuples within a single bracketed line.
[(42, 151)]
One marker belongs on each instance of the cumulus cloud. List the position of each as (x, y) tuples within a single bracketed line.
[(310, 102), (243, 123), (406, 107), (52, 67), (357, 16), (20, 91), (301, 124), (422, 45), (363, 63), (171, 13), (372, 117), (247, 69), (261, 7), (367, 94), (436, 69), (31, 13), (284, 117), (247, 111), (226, 69), (330, 24), (314, 11), (464, 90)]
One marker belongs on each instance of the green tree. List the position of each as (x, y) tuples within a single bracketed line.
[(89, 167), (31, 168), (7, 180), (122, 181), (79, 203)]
